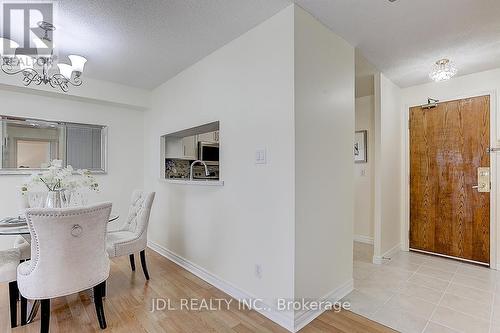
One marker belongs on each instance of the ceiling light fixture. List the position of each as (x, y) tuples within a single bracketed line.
[(443, 70), (38, 69)]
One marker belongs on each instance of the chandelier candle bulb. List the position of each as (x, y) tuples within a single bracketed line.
[(5, 44), (66, 70), (77, 62)]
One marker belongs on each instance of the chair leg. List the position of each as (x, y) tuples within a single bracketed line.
[(13, 292), (24, 310), (143, 263), (44, 328), (104, 289), (99, 308), (132, 262)]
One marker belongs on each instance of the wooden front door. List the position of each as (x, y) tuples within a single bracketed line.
[(448, 144)]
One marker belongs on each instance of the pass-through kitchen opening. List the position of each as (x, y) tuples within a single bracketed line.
[(192, 154)]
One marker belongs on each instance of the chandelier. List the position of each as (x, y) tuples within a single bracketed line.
[(443, 70), (39, 68)]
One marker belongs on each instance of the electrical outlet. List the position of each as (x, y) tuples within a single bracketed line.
[(258, 271)]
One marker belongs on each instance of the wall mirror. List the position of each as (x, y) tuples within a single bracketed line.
[(30, 144)]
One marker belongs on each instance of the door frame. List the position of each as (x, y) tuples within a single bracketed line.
[(494, 205)]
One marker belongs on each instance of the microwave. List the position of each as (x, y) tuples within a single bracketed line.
[(208, 152)]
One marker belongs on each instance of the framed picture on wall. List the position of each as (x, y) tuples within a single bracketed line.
[(361, 147)]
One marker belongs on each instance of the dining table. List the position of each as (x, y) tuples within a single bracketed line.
[(17, 226)]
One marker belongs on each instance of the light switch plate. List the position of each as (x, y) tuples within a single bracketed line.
[(260, 156)]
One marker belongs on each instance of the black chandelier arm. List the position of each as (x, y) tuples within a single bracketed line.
[(10, 66), (58, 80), (31, 76), (10, 69), (76, 81)]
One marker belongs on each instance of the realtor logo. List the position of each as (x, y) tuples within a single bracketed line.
[(30, 25)]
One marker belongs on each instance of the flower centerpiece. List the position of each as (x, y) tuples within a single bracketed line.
[(60, 183)]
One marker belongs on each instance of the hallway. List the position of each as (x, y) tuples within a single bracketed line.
[(421, 293)]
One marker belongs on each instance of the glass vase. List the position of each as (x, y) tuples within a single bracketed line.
[(54, 199)]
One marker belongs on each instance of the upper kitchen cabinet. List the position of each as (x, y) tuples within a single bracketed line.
[(190, 147), (209, 137), (185, 148)]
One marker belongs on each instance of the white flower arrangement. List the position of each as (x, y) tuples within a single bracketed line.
[(57, 178)]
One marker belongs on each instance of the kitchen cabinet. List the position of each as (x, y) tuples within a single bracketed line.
[(182, 148), (190, 147), (209, 137)]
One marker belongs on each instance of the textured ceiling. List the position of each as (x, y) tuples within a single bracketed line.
[(143, 43), (403, 39)]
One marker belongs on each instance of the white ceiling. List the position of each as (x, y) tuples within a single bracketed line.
[(403, 39), (143, 43)]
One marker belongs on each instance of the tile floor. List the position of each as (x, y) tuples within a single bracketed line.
[(420, 293)]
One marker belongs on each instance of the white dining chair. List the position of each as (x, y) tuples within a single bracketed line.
[(24, 248), (68, 255), (132, 237), (9, 259), (20, 242)]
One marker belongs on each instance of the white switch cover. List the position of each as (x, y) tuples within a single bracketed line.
[(260, 156)]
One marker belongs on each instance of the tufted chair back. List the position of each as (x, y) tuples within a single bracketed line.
[(139, 211), (68, 252)]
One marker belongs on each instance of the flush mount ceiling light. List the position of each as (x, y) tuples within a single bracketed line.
[(443, 70), (38, 69)]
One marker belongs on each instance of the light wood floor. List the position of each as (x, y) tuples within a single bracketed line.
[(128, 304)]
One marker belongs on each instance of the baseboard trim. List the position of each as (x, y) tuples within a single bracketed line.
[(302, 318), (377, 260), (363, 239), (272, 314)]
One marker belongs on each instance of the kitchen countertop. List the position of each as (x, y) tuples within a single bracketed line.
[(194, 182)]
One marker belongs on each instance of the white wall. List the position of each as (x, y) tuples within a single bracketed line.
[(324, 137), (363, 172), (125, 171), (478, 84), (91, 90), (247, 85), (286, 86), (289, 88), (388, 168)]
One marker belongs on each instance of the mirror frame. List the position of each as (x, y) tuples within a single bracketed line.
[(104, 145)]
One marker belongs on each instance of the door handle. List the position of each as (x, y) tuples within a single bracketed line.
[(483, 180)]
